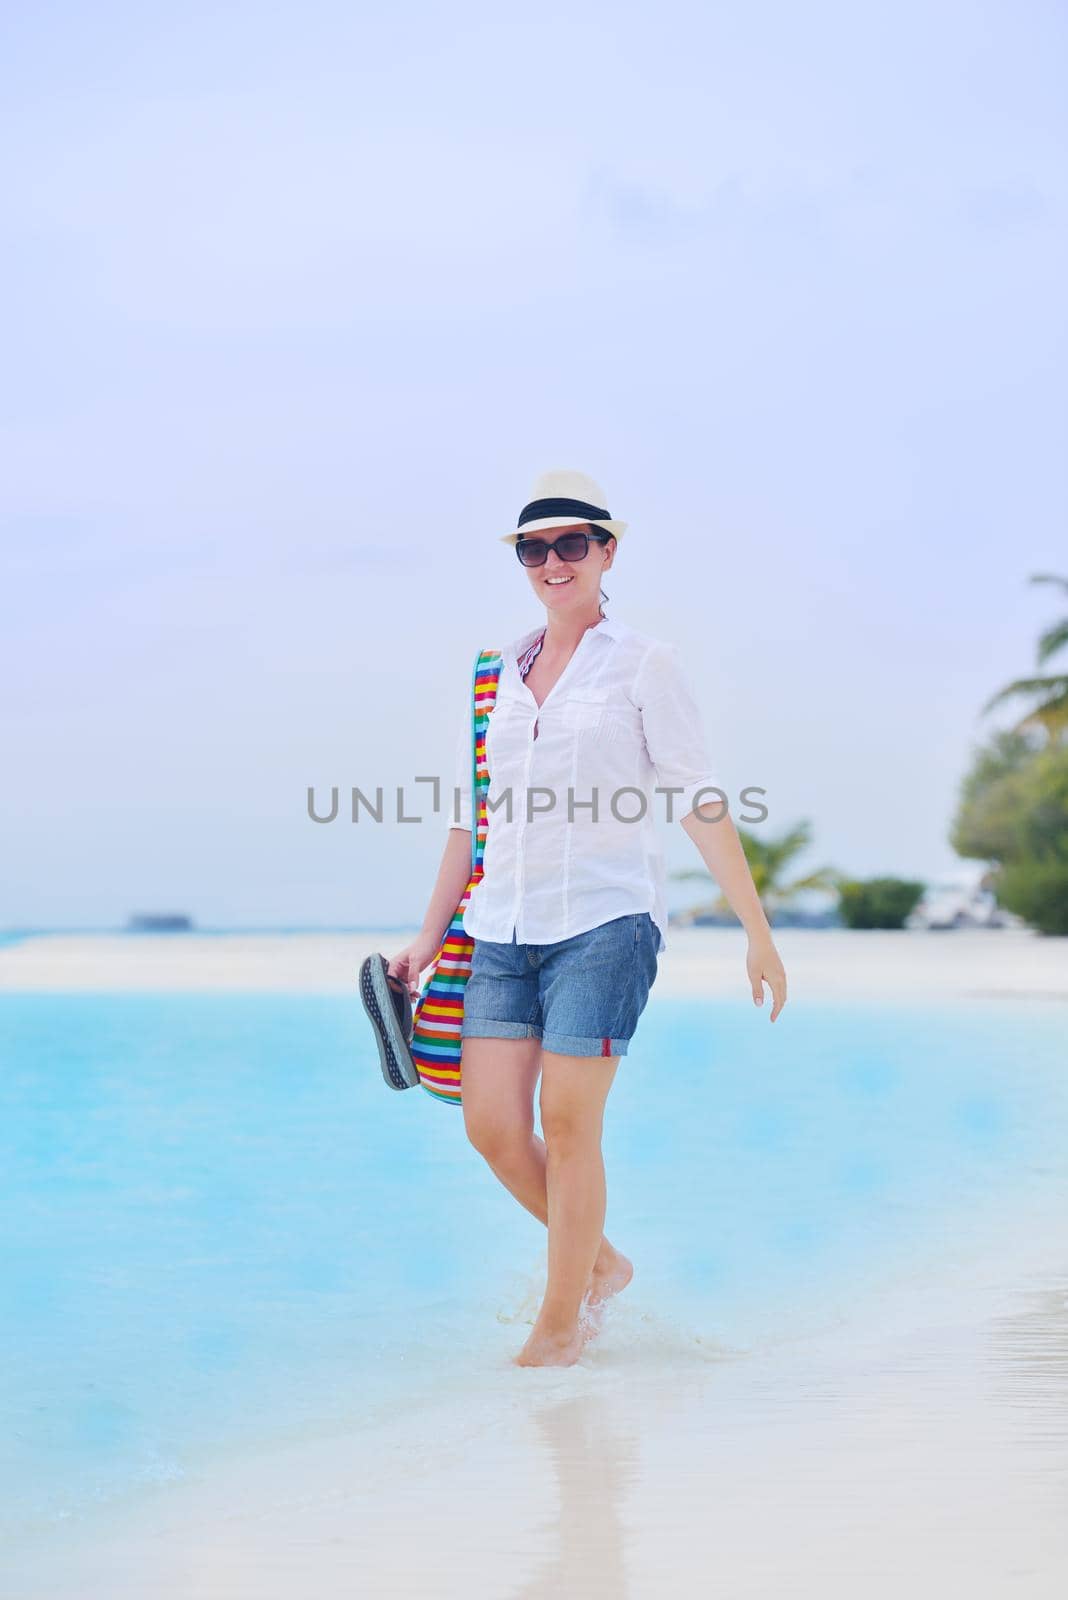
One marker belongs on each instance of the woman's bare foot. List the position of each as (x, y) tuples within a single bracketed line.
[(545, 1348), (591, 1317), (612, 1271)]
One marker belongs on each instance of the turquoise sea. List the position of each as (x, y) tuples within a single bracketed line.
[(220, 1228)]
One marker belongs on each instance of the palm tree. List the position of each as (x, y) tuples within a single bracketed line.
[(768, 860), (1051, 711)]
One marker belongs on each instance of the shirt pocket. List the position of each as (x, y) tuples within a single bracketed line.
[(605, 716), (586, 711)]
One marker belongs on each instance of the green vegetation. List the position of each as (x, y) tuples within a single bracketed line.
[(769, 862), (1049, 693), (1012, 812), (1013, 806), (877, 902)]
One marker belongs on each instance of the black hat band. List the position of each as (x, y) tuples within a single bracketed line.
[(580, 509)]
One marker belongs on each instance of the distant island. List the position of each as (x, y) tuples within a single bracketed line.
[(159, 922)]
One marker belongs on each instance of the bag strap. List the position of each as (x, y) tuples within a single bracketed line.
[(485, 676)]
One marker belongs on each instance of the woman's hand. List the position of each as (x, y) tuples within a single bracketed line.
[(764, 966), (408, 963)]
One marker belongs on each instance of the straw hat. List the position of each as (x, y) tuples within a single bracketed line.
[(560, 498)]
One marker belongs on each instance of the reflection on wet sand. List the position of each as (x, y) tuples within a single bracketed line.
[(1028, 1365), (595, 1463)]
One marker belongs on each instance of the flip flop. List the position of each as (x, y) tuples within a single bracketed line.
[(389, 1009)]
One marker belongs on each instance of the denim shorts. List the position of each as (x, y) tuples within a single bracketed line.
[(580, 996)]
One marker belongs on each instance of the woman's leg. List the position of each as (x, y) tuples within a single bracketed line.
[(573, 1094), (499, 1077)]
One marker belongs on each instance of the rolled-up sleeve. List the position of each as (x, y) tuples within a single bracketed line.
[(459, 815), (674, 733)]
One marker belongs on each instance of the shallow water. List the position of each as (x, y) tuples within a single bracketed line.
[(223, 1234)]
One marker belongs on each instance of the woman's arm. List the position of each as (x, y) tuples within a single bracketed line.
[(452, 879), (675, 739), (454, 871), (453, 876), (712, 830)]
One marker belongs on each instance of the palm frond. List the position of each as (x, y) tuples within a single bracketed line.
[(1051, 714), (1044, 686), (1049, 577), (1054, 639)]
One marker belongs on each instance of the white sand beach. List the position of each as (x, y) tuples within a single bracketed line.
[(699, 963), (915, 1444)]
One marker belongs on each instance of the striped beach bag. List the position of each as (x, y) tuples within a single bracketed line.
[(439, 1010)]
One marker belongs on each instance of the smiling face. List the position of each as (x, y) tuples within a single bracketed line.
[(571, 585)]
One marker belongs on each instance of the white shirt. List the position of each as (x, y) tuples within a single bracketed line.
[(621, 714)]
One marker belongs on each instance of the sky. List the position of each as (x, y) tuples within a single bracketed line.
[(296, 303)]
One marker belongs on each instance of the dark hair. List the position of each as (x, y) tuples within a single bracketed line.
[(604, 545)]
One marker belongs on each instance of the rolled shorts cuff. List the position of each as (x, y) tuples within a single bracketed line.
[(569, 1044), (478, 1028)]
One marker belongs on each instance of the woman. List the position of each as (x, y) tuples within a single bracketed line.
[(568, 919)]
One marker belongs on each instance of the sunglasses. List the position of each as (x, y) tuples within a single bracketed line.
[(569, 547)]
